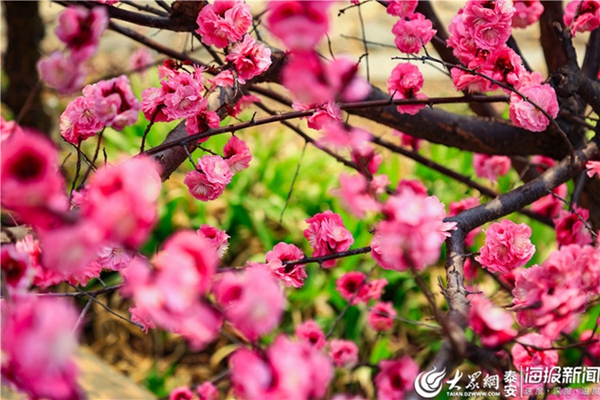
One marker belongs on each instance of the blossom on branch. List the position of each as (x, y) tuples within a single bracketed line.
[(491, 323), (344, 353), (491, 167), (507, 246), (327, 235), (309, 331), (381, 316), (412, 32), (527, 12), (223, 22), (525, 115), (249, 58), (404, 83), (396, 378), (582, 15), (80, 29)]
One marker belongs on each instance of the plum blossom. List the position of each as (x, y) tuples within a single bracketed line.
[(223, 21), (381, 316), (505, 66), (550, 205), (37, 351), (121, 201), (327, 235), (507, 246), (408, 140), (309, 331), (355, 195), (344, 353), (249, 58), (116, 105), (286, 370), (404, 83), (210, 179), (217, 238), (352, 282), (243, 103), (527, 12), (412, 233), (525, 115), (582, 15), (491, 323), (114, 258), (61, 72), (252, 301), (299, 24), (290, 275), (491, 167), (551, 296), (460, 40), (80, 29), (396, 378), (223, 79), (488, 23), (141, 59), (181, 393), (207, 391), (593, 348), (571, 227), (340, 136), (525, 356), (79, 121), (17, 267), (412, 32), (29, 175), (457, 207), (593, 168), (324, 115), (401, 8), (236, 154)]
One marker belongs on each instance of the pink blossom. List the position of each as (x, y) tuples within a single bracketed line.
[(488, 23), (169, 295), (344, 353), (593, 168), (505, 66), (252, 301), (491, 167), (243, 103), (404, 83), (491, 323), (524, 115), (381, 316), (205, 119), (217, 238), (457, 207), (80, 29), (350, 285), (292, 275), (17, 267), (413, 186), (412, 233), (408, 140), (8, 128), (401, 8), (507, 246), (250, 58), (412, 32), (201, 188), (114, 258), (62, 73), (217, 171), (325, 115), (340, 136), (355, 195), (287, 370), (223, 79), (550, 205), (116, 105), (594, 348), (363, 153), (181, 393), (396, 378), (586, 20), (570, 229), (299, 24), (185, 102), (551, 296), (141, 59), (327, 235), (79, 120), (525, 356), (39, 341), (309, 331), (464, 80), (236, 154), (223, 21), (29, 175), (207, 391), (121, 201), (461, 41), (527, 12)]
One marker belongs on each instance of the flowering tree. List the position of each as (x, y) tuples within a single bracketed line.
[(252, 58)]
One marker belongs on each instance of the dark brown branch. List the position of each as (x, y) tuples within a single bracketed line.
[(553, 53), (328, 257), (591, 62)]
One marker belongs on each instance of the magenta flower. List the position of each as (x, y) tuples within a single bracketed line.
[(488, 23), (223, 21), (249, 58), (396, 378), (457, 207), (344, 353), (507, 246), (570, 229), (401, 8), (217, 238), (586, 20), (217, 171), (381, 316), (201, 188), (412, 32), (327, 235), (527, 12), (491, 323), (309, 331), (593, 168), (38, 346), (116, 105), (237, 154), (525, 356), (355, 196), (79, 120), (62, 73), (181, 393), (524, 115), (207, 391), (292, 275), (299, 24), (404, 83), (80, 29), (491, 167)]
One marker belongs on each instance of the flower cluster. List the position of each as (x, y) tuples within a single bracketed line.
[(223, 21), (491, 323), (582, 15), (404, 83), (490, 167), (80, 29), (412, 32), (551, 296), (507, 246), (355, 286), (327, 235)]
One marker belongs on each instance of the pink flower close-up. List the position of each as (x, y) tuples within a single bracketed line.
[(507, 246), (327, 235)]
